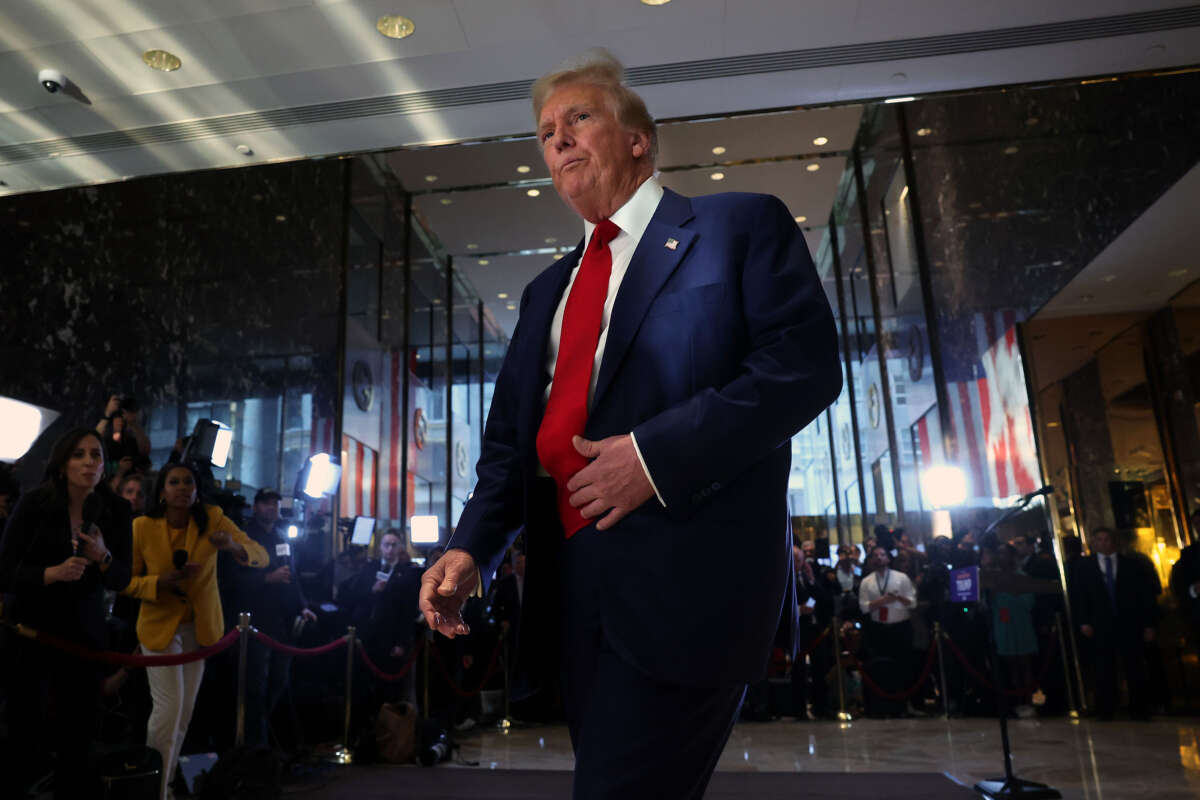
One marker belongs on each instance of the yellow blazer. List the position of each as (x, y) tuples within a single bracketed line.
[(152, 556)]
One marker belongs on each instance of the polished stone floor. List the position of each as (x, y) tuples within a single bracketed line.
[(1088, 760)]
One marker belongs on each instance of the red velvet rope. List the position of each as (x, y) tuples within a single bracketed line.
[(986, 682), (454, 687), (298, 651), (814, 643), (125, 660), (902, 695), (393, 676)]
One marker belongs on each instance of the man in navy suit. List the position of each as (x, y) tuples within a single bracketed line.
[(640, 423)]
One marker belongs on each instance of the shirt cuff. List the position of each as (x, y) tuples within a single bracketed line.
[(646, 469)]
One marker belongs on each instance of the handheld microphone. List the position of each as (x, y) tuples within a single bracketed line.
[(180, 559), (91, 512)]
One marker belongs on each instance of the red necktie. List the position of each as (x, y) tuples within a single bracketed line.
[(567, 409)]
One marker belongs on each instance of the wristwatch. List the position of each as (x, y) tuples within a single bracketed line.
[(104, 562)]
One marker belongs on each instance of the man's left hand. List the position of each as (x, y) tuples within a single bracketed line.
[(614, 482)]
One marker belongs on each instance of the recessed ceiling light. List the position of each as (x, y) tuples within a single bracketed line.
[(813, 167), (533, 192), (523, 168), (395, 26), (718, 176), (820, 141), (483, 262), (161, 60), (1109, 278), (924, 131), (437, 301), (551, 240), (503, 295), (557, 256), (655, 2), (1012, 149), (1178, 273), (511, 306), (906, 99), (430, 178), (1031, 121), (718, 150), (472, 246), (446, 201), (801, 218), (244, 149), (280, 218)]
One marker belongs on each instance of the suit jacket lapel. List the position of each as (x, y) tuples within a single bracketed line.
[(653, 262)]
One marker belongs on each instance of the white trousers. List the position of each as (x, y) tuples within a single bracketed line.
[(173, 690)]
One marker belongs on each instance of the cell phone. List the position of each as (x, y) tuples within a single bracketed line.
[(810, 603)]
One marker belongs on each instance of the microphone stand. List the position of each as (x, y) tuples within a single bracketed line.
[(1009, 786)]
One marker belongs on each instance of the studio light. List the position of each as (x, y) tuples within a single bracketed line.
[(944, 486), (210, 442), (424, 529), (320, 476), (293, 532), (20, 426)]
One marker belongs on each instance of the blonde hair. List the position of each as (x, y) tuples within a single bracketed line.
[(598, 67)]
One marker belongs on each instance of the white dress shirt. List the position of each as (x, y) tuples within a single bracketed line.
[(632, 218), (1100, 560), (887, 581)]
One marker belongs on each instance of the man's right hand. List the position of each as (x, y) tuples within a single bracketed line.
[(445, 587), (279, 575)]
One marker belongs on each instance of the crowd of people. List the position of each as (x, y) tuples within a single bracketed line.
[(95, 559)]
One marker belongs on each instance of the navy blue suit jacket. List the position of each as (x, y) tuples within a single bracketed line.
[(721, 346)]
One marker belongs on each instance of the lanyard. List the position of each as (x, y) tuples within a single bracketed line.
[(883, 586)]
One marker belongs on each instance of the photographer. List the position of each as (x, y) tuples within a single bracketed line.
[(124, 439), (181, 608), (66, 542)]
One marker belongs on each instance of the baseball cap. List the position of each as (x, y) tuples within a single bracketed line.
[(266, 495)]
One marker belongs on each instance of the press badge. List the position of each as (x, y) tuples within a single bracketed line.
[(382, 576), (283, 550)]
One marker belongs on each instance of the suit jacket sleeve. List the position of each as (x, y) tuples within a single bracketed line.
[(788, 375), (493, 516), (16, 570)]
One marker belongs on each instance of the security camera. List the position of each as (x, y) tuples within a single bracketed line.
[(52, 80)]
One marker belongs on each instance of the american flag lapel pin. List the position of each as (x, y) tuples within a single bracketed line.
[(672, 244)]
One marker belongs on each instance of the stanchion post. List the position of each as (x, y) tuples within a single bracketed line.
[(425, 660), (843, 715), (343, 754), (937, 638), (239, 731), (505, 724), (1072, 708)]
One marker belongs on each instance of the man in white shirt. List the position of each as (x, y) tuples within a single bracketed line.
[(887, 596)]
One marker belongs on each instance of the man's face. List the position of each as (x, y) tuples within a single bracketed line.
[(881, 557), (133, 492), (905, 542), (810, 551), (1104, 543), (593, 159), (389, 549), (1022, 547), (267, 512), (846, 555)]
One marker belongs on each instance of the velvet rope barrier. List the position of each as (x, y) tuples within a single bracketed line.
[(298, 651), (987, 683), (487, 676), (124, 660), (902, 695), (392, 676), (814, 643)]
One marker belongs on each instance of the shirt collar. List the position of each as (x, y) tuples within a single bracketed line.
[(633, 217)]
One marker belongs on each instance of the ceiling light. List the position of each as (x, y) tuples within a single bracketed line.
[(907, 99), (557, 256), (655, 2), (820, 141), (718, 150), (718, 176), (395, 26), (161, 60), (446, 201), (523, 168), (1012, 149), (551, 240), (511, 306), (1109, 278), (483, 262), (924, 131), (280, 218), (472, 246), (533, 192), (1031, 121), (503, 295), (430, 178), (244, 149), (801, 218), (813, 167), (1177, 273)]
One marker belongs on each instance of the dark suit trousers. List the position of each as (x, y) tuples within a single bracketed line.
[(1129, 650), (634, 736)]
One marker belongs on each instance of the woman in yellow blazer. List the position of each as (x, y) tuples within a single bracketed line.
[(181, 609)]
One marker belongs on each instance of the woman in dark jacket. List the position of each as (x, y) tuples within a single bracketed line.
[(65, 543)]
